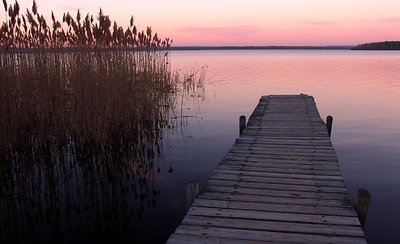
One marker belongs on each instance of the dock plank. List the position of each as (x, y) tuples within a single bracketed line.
[(274, 186), (266, 236), (272, 226), (280, 182), (271, 199), (273, 207)]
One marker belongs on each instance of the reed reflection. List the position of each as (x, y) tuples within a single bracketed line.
[(81, 140)]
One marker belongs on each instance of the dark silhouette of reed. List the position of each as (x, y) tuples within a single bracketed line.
[(31, 30), (81, 133)]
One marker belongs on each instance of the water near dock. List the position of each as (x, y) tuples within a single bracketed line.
[(360, 89), (280, 182)]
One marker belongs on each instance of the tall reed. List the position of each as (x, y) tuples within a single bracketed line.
[(81, 133), (31, 30), (75, 124)]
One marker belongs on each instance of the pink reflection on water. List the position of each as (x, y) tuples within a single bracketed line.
[(360, 89), (345, 83)]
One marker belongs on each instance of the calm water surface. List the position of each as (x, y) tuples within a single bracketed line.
[(361, 90)]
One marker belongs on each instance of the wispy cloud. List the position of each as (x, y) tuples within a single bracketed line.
[(384, 24), (317, 23), (220, 30), (67, 7), (389, 20), (217, 35)]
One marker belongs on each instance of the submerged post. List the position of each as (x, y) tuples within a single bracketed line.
[(192, 190), (364, 197), (329, 122), (242, 124)]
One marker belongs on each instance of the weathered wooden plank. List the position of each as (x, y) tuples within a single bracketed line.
[(284, 146), (299, 149), (300, 129), (271, 207), (267, 180), (285, 136), (262, 159), (277, 193), (277, 164), (306, 156), (282, 156), (271, 199), (273, 186), (279, 175), (289, 151), (301, 155), (276, 226), (274, 216), (277, 141), (265, 236), (288, 170), (195, 239)]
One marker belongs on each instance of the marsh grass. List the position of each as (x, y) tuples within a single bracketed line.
[(82, 132), (84, 108), (31, 30)]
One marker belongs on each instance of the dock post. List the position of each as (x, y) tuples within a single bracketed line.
[(329, 122), (363, 200), (242, 124), (192, 190)]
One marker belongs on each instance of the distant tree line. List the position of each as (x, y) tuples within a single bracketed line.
[(31, 30), (387, 45)]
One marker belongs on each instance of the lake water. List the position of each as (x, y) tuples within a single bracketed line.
[(361, 90)]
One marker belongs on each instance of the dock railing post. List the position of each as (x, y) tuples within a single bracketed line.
[(242, 124), (329, 122), (364, 197)]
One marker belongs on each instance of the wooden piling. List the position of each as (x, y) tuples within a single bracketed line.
[(329, 122), (363, 199), (242, 124)]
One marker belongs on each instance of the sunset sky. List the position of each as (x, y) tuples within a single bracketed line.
[(250, 22)]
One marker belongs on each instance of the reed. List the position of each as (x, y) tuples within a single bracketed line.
[(31, 30), (82, 130), (75, 124)]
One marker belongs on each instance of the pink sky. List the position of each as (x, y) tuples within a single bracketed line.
[(251, 22)]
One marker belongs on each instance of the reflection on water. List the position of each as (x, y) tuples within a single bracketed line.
[(81, 142), (360, 89), (108, 179)]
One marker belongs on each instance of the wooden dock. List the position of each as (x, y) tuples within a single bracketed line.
[(280, 182)]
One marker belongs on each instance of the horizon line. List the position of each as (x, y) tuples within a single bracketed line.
[(260, 47)]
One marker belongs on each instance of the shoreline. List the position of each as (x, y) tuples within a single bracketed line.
[(185, 48)]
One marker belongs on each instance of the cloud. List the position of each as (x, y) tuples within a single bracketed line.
[(71, 8), (217, 35), (318, 23), (382, 24), (389, 20), (220, 30)]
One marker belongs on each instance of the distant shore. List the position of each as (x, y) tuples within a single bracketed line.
[(173, 48), (393, 45), (387, 45), (184, 48)]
